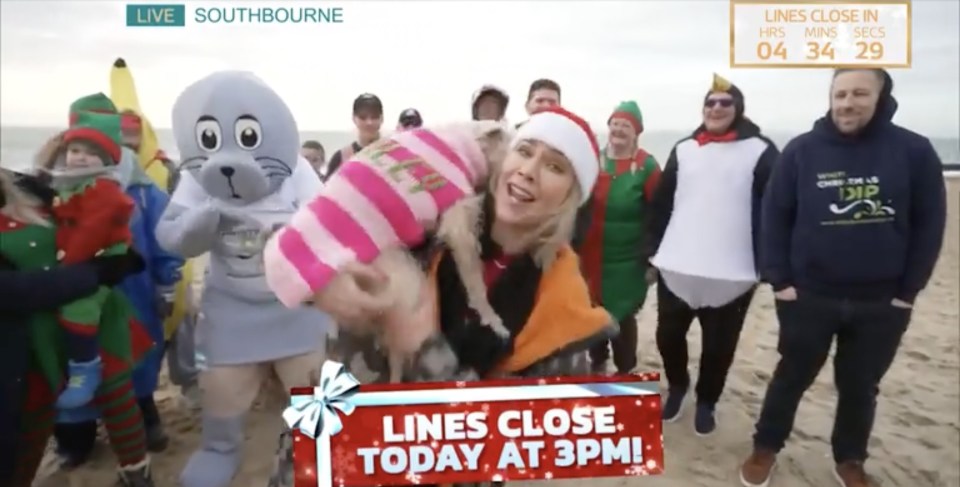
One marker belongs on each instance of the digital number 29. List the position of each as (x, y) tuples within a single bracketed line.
[(869, 50)]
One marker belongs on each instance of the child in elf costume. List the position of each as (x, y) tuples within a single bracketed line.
[(150, 292), (93, 214)]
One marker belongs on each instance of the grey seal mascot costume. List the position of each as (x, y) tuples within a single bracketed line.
[(241, 179)]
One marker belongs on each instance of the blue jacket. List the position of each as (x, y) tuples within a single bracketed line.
[(856, 217), (144, 289)]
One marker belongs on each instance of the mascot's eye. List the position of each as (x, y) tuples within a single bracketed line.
[(248, 132), (209, 136)]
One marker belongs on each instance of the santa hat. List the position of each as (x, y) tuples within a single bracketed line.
[(572, 137)]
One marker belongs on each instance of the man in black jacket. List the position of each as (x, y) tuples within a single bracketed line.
[(367, 118), (853, 223)]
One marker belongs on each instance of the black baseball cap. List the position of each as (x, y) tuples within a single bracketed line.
[(368, 102), (410, 118)]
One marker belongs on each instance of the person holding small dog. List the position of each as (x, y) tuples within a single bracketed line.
[(533, 276)]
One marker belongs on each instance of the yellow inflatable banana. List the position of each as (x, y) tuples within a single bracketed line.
[(123, 92)]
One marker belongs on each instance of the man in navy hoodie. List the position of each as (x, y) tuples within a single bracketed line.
[(853, 223)]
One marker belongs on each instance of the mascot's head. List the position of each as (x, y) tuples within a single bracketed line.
[(236, 136)]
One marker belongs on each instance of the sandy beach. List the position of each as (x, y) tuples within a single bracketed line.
[(916, 440)]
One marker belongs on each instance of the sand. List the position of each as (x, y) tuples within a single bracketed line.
[(916, 440)]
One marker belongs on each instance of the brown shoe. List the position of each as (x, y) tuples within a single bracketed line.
[(757, 470), (851, 474)]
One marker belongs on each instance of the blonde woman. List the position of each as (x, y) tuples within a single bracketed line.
[(532, 275)]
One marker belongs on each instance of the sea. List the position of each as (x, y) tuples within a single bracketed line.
[(19, 145)]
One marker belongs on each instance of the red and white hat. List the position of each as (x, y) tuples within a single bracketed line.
[(572, 136)]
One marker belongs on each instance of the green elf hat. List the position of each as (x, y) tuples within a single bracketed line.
[(97, 102), (629, 111), (100, 129)]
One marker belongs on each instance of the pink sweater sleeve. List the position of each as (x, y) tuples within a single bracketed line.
[(381, 198)]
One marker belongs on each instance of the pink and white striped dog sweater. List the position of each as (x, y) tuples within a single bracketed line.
[(385, 196)]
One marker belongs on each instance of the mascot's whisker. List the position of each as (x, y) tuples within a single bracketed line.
[(274, 159), (192, 162), (275, 168)]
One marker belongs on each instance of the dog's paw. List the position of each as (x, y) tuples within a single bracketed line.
[(497, 327)]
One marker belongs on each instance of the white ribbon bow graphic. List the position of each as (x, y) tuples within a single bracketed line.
[(317, 415)]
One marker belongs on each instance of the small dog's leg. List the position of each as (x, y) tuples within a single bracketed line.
[(490, 318), (462, 240), (395, 361)]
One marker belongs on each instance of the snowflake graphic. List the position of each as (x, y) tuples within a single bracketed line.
[(345, 459), (636, 470), (413, 478), (620, 427)]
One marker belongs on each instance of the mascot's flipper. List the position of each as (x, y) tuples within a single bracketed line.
[(189, 232), (123, 92)]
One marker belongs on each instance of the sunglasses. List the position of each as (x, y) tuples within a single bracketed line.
[(724, 102)]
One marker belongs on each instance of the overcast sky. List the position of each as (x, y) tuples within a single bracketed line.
[(433, 55)]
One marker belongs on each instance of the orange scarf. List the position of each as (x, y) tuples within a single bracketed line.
[(562, 315)]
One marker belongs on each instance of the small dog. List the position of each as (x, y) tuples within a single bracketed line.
[(433, 177), (411, 318)]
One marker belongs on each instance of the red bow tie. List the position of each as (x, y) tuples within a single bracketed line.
[(705, 137)]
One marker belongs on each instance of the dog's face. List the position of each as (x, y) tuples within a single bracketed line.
[(236, 136)]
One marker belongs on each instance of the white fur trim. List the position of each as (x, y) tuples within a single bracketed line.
[(566, 136)]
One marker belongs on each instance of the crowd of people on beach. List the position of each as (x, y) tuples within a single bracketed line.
[(845, 224)]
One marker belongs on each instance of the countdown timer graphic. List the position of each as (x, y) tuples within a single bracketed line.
[(812, 34)]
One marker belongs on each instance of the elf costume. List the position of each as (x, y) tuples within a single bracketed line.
[(121, 342), (149, 292), (612, 253), (93, 216)]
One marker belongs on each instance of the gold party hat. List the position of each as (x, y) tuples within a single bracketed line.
[(720, 84)]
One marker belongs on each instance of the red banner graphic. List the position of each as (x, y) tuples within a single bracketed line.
[(502, 430)]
